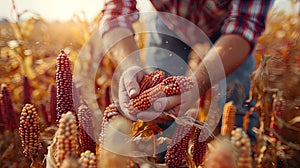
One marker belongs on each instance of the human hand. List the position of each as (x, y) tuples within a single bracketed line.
[(129, 88), (177, 105)]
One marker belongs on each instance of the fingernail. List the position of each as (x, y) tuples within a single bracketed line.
[(132, 92), (157, 106)]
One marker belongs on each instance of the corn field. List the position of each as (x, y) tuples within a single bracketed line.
[(46, 122)]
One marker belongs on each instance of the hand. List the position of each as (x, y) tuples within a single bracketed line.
[(177, 105), (129, 88)]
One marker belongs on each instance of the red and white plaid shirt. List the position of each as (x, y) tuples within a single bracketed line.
[(244, 17)]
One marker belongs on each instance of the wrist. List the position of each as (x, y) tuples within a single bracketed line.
[(202, 78), (121, 45)]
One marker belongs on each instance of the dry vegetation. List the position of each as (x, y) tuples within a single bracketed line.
[(29, 63)]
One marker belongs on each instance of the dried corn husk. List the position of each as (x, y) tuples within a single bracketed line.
[(280, 73), (50, 160), (112, 146)]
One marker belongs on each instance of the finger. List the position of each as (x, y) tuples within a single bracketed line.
[(148, 115), (130, 117), (131, 79), (123, 96), (124, 111), (166, 103), (132, 87), (123, 102)]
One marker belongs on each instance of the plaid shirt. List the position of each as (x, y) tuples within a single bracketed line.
[(242, 17)]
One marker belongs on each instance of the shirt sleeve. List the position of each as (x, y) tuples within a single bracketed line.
[(118, 13), (247, 18)]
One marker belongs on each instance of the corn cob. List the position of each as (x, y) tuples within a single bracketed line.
[(243, 145), (145, 99), (9, 115), (199, 146), (26, 91), (29, 131), (76, 96), (278, 112), (86, 129), (151, 80), (109, 112), (113, 124), (2, 120), (67, 138), (52, 104), (228, 118), (173, 85), (87, 160), (144, 83), (64, 85), (176, 151)]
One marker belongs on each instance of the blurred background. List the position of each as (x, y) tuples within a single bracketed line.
[(64, 10), (32, 33)]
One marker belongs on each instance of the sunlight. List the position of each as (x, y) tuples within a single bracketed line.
[(63, 10), (53, 9)]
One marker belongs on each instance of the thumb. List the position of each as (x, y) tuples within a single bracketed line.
[(131, 79), (132, 87)]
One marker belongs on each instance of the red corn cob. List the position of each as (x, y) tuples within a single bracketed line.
[(144, 83), (278, 112), (9, 115), (64, 85), (151, 80), (109, 112), (1, 116), (86, 129), (53, 102), (199, 147), (173, 85), (29, 131), (26, 90), (145, 99), (156, 78), (76, 96), (177, 149)]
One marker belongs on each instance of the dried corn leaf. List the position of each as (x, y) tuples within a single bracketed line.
[(50, 158), (295, 120)]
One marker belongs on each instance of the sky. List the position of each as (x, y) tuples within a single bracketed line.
[(63, 10), (52, 9)]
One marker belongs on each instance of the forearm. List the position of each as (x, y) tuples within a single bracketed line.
[(228, 53), (120, 43)]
